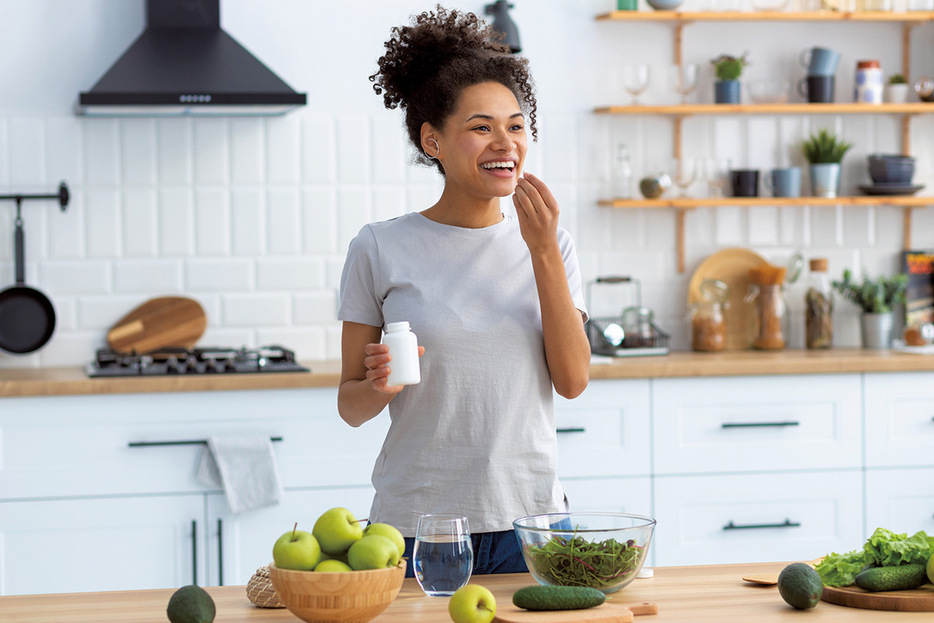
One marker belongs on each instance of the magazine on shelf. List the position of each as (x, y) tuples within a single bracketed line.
[(919, 299)]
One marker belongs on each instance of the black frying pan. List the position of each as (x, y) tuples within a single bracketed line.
[(27, 318)]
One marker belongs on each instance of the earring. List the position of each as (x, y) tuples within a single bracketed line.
[(437, 153)]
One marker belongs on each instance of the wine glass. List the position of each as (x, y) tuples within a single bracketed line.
[(636, 80), (683, 174), (717, 176), (443, 554), (684, 79)]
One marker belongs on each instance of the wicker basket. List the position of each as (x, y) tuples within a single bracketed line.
[(260, 592)]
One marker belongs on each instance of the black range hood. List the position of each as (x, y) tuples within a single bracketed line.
[(184, 64)]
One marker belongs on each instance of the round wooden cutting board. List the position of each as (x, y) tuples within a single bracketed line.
[(916, 600)]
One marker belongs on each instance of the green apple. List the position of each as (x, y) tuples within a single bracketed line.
[(472, 603), (297, 550), (373, 552), (332, 566), (390, 532), (336, 530)]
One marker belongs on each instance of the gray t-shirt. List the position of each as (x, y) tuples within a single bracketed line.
[(477, 435)]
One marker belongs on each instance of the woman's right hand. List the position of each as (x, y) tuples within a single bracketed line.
[(377, 363)]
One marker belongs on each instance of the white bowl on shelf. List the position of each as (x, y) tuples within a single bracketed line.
[(769, 91)]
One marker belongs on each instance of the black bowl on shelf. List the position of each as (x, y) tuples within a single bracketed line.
[(891, 169)]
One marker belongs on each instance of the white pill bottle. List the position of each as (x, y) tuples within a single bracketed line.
[(403, 348)]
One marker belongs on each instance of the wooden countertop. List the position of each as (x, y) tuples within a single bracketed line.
[(73, 381), (682, 594)]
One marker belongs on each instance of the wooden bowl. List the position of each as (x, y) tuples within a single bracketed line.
[(350, 597)]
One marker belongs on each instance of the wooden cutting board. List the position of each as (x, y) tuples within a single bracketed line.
[(608, 612), (168, 321), (916, 600)]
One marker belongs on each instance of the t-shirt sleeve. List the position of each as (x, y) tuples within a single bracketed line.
[(360, 299), (573, 270)]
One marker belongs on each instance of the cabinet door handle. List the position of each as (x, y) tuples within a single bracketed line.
[(183, 442), (220, 552), (194, 551), (755, 526), (758, 424), (571, 430)]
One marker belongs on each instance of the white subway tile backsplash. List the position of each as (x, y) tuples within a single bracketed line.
[(174, 150), (63, 150), (730, 225), (859, 225), (283, 216), (763, 226), (138, 150), (66, 313), (212, 151), (87, 277), (307, 342), (319, 220), (27, 147), (100, 313), (290, 275), (333, 337), (319, 150), (247, 151), (353, 150), (5, 153), (283, 150), (255, 310), (103, 224), (70, 348), (559, 159), (101, 152), (826, 226), (176, 222), (922, 228), (155, 277), (139, 223), (212, 222), (246, 220), (315, 307), (389, 152), (388, 202), (219, 275), (353, 212)]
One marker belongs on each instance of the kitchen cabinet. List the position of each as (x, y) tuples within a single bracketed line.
[(901, 500), (908, 20), (899, 420)]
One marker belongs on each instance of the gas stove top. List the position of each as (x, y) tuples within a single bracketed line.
[(180, 361)]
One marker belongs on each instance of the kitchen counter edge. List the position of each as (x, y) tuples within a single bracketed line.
[(65, 381)]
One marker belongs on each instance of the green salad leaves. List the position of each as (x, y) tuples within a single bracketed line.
[(883, 549)]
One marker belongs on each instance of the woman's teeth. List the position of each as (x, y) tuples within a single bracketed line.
[(498, 165)]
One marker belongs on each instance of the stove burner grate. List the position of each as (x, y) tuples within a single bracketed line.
[(181, 361)]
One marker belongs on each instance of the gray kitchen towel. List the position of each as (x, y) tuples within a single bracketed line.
[(245, 466)]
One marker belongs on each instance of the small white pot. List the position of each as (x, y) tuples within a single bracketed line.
[(897, 93)]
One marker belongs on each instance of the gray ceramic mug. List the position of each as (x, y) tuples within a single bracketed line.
[(784, 182), (820, 61)]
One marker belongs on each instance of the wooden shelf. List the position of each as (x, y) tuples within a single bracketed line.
[(796, 108), (766, 16), (910, 201)]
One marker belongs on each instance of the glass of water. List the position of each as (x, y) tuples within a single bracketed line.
[(443, 554)]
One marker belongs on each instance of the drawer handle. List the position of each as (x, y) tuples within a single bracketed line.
[(755, 526), (758, 424), (570, 430), (188, 442)]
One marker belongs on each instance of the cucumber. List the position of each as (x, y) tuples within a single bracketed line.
[(900, 578), (557, 597)]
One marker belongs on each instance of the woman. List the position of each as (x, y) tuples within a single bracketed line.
[(494, 300)]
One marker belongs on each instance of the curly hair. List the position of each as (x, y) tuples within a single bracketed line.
[(428, 64)]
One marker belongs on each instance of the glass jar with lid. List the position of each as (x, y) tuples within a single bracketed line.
[(818, 318), (637, 324), (706, 317)]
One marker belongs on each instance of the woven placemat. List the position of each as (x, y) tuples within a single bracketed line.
[(260, 592)]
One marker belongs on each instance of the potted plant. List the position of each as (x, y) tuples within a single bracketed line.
[(876, 299), (728, 69), (824, 151), (896, 91)]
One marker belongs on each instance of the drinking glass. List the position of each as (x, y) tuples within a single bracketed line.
[(636, 80), (683, 173), (717, 176), (443, 554), (684, 79)]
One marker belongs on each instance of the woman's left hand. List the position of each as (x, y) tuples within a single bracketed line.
[(537, 211)]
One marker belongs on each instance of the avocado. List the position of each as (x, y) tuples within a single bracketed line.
[(800, 585), (191, 604), (900, 578), (557, 597)]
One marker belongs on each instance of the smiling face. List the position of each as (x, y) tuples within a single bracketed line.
[(482, 143)]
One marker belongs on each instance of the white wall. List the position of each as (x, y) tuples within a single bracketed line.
[(252, 216)]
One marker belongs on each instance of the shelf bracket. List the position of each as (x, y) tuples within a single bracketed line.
[(679, 236)]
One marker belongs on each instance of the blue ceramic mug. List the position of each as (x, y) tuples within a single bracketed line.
[(820, 61), (784, 182)]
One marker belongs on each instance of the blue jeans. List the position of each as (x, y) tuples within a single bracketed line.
[(493, 552)]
